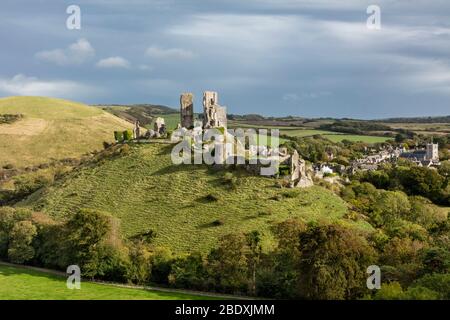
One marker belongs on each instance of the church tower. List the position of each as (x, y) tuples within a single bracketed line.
[(432, 151)]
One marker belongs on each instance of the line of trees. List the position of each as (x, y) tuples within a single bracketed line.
[(310, 261)]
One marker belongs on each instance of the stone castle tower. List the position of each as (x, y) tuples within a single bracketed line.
[(187, 110), (214, 115)]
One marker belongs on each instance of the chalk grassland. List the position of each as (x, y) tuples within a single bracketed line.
[(53, 128), (24, 284), (188, 206)]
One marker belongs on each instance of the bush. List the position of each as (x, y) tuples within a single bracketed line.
[(128, 135), (21, 236), (118, 136), (211, 197), (218, 222)]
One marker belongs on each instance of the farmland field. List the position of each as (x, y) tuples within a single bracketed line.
[(304, 132), (171, 120), (356, 138), (18, 283)]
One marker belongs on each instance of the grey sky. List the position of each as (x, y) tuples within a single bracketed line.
[(273, 57)]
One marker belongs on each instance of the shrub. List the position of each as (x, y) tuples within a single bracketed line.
[(218, 222), (128, 135), (21, 236), (118, 136), (211, 197)]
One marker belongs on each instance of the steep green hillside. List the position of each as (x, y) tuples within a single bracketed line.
[(52, 128), (188, 206)]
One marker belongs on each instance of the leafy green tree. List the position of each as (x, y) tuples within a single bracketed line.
[(85, 232), (8, 218), (20, 249), (425, 213), (161, 260), (436, 282), (390, 206), (389, 291), (227, 264), (333, 263), (254, 244), (436, 260), (420, 293), (189, 272), (139, 269)]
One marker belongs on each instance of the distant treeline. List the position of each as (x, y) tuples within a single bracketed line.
[(443, 119), (355, 127)]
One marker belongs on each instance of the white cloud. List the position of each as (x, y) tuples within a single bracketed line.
[(75, 54), (113, 62), (169, 53), (31, 86)]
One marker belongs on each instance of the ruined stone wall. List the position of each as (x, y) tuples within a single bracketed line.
[(214, 115), (187, 110)]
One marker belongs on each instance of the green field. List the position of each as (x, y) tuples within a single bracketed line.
[(146, 191), (333, 136), (306, 132), (53, 128), (171, 120), (23, 284), (356, 138), (303, 132)]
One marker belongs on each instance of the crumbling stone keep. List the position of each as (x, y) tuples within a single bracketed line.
[(214, 115), (159, 126), (187, 110), (137, 130)]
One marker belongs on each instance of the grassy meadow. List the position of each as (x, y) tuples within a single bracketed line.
[(171, 120), (188, 206), (53, 128), (18, 283)]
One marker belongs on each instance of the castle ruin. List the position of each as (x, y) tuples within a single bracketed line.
[(187, 110), (214, 115)]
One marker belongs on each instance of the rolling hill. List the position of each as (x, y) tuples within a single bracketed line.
[(52, 128), (188, 207)]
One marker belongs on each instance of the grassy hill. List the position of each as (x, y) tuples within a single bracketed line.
[(24, 284), (52, 128), (188, 206), (145, 113)]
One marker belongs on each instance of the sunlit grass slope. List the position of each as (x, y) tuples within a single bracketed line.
[(52, 128), (188, 206)]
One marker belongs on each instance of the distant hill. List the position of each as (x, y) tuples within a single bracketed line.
[(186, 207), (50, 128), (145, 113)]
